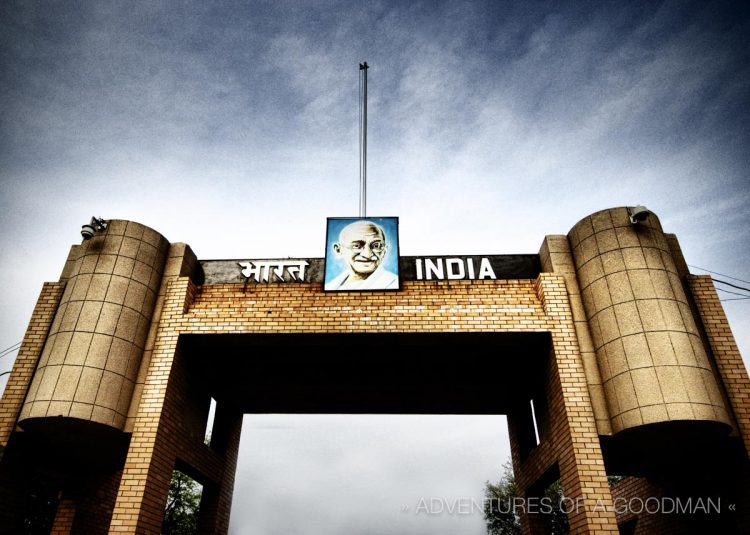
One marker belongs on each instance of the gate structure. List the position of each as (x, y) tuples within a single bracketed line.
[(626, 358)]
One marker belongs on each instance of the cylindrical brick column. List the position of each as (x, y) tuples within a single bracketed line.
[(90, 360), (652, 361)]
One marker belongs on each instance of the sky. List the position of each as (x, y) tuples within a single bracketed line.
[(232, 126)]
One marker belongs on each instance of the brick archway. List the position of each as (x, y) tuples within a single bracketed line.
[(616, 343)]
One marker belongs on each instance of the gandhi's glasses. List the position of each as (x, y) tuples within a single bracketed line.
[(375, 247)]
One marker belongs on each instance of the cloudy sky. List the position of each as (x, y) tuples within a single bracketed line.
[(232, 126)]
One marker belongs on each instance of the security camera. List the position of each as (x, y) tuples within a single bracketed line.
[(638, 214), (88, 230)]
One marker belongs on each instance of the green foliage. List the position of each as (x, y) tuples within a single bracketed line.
[(181, 515), (499, 499), (502, 505), (556, 521)]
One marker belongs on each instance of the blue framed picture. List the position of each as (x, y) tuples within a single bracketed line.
[(362, 254)]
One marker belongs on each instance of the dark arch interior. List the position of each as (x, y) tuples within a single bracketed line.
[(388, 373)]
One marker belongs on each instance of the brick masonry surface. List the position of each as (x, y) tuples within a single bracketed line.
[(606, 372), (28, 356), (726, 355), (442, 306)]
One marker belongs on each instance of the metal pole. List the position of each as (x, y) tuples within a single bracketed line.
[(363, 140)]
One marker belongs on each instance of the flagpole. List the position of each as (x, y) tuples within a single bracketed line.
[(363, 140)]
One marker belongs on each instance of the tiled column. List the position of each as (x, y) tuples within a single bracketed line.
[(652, 361), (91, 357)]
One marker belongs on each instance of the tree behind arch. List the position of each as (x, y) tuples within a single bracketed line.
[(183, 503), (501, 503)]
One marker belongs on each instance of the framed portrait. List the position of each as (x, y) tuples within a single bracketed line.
[(361, 254)]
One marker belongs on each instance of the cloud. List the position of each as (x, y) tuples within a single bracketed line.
[(359, 477), (233, 127)]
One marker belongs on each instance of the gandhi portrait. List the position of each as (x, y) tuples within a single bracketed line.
[(360, 252)]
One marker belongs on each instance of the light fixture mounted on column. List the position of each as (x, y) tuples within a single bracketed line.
[(96, 224), (638, 214)]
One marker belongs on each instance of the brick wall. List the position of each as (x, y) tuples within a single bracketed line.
[(96, 501), (161, 437), (28, 356), (66, 512), (556, 257), (166, 410), (724, 348), (571, 446), (435, 306)]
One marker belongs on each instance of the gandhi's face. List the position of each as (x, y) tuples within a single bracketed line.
[(362, 245)]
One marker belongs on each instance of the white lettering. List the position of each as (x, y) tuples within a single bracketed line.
[(431, 268), (422, 506), (261, 270), (256, 270), (297, 269), (675, 505), (683, 508), (451, 506), (436, 506), (708, 505), (451, 264), (453, 268), (620, 506), (567, 505), (656, 505), (464, 506), (632, 509), (715, 505), (485, 270)]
